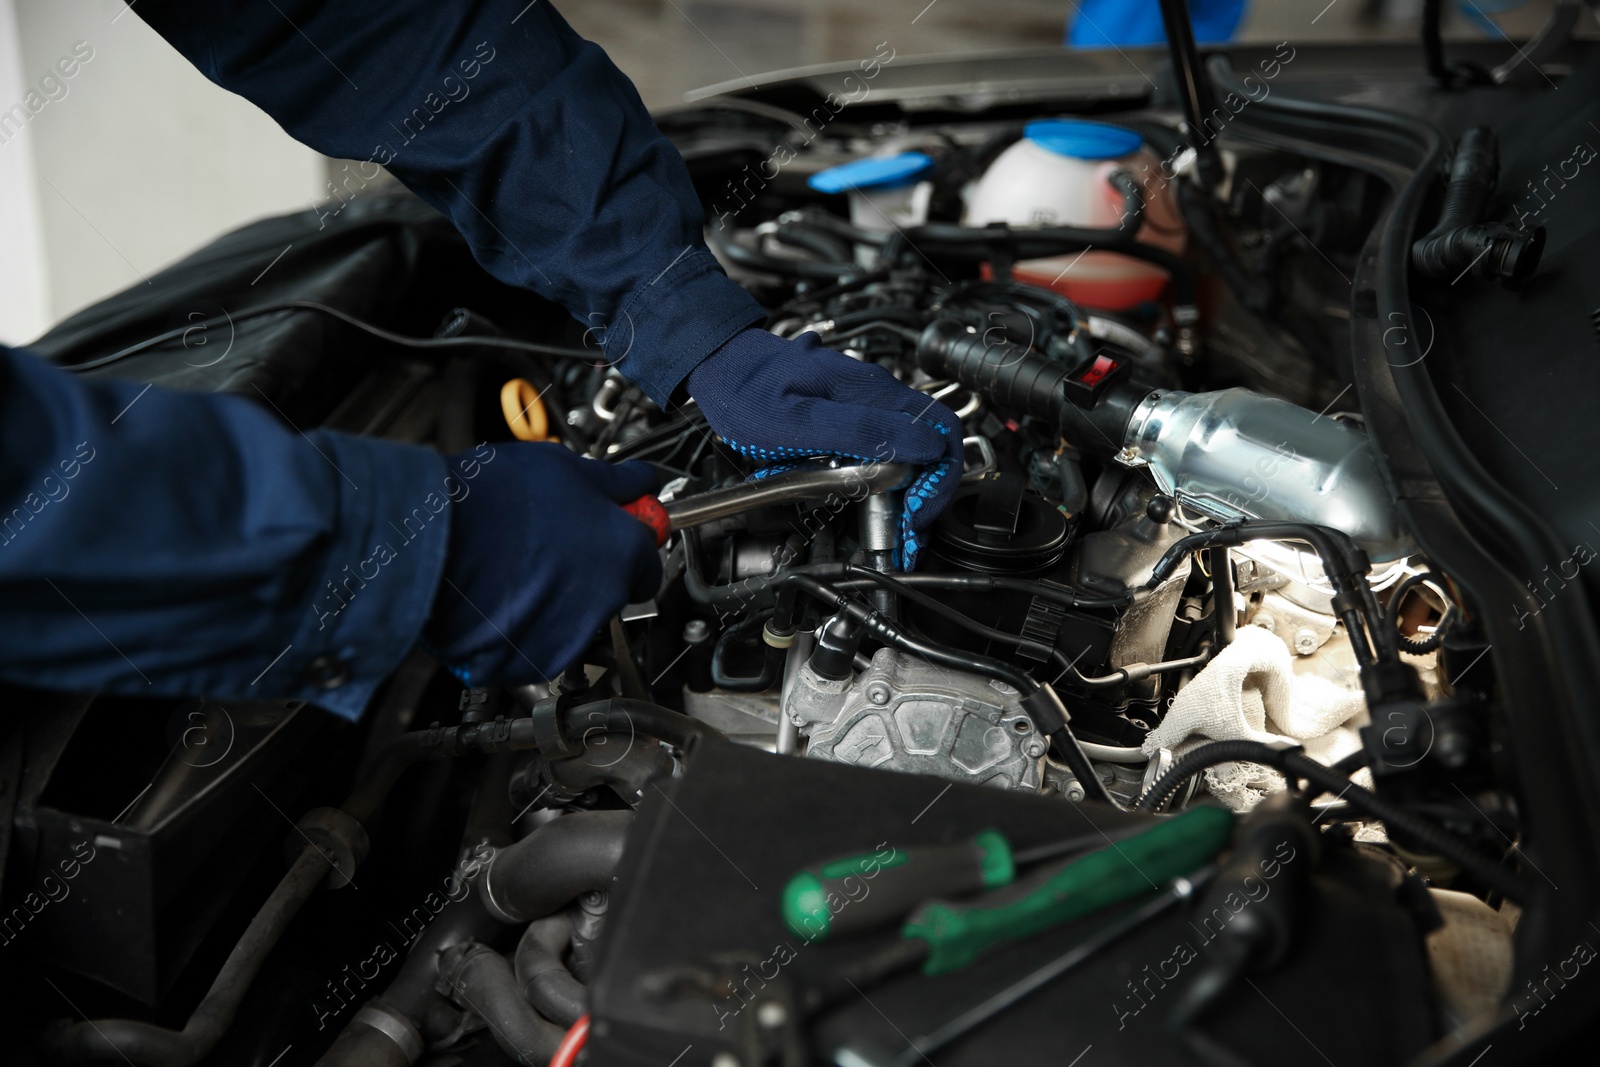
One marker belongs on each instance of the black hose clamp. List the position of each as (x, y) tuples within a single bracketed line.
[(548, 718), (338, 836)]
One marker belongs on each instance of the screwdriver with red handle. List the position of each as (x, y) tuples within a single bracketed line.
[(653, 513)]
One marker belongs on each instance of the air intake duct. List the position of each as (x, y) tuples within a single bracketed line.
[(1024, 382), (1230, 455)]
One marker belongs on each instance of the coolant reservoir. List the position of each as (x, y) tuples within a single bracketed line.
[(1057, 175), (886, 192)]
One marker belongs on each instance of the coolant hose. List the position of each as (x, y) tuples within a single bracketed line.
[(393, 1030), (396, 1027), (553, 865), (1460, 242), (412, 993), (480, 979), (543, 978), (376, 1036)]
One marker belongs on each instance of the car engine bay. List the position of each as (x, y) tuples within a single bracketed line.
[(1246, 545)]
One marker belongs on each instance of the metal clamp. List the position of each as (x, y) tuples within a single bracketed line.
[(391, 1024)]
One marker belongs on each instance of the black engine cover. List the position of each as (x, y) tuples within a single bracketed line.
[(704, 868)]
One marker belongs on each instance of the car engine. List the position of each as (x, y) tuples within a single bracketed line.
[(1228, 545)]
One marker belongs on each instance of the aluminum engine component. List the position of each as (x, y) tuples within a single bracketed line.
[(908, 715), (1236, 454)]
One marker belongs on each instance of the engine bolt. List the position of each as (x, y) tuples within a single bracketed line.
[(1034, 748), (878, 694), (696, 631), (1073, 790), (1305, 641)]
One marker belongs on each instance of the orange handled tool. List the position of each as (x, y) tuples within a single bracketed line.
[(651, 512)]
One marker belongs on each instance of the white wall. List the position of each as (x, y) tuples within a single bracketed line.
[(140, 161), (24, 294)]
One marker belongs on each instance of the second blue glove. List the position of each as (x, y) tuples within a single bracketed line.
[(776, 400)]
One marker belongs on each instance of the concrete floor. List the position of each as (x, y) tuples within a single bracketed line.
[(671, 46)]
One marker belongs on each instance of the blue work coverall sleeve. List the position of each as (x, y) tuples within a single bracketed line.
[(523, 133), (168, 544)]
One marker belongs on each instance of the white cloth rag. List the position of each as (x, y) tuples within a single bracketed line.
[(1251, 692)]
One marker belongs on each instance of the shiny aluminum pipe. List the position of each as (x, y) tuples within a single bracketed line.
[(1235, 454), (850, 483)]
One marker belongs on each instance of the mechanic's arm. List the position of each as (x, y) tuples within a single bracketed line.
[(523, 133), (542, 154), (176, 544)]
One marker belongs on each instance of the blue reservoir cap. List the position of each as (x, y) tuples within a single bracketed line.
[(1081, 139), (874, 172)]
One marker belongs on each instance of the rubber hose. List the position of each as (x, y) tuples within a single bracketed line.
[(839, 227), (1449, 75), (598, 765), (410, 1013), (1427, 836), (1474, 171), (1008, 375), (1074, 490), (752, 259), (1458, 244), (623, 715), (1222, 596), (771, 660), (1026, 382), (1195, 91), (482, 980), (412, 991), (543, 979), (1077, 761), (142, 1043), (363, 1042), (411, 997), (825, 246), (553, 865), (1132, 216)]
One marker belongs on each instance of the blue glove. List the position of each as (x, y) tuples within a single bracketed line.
[(776, 400), (540, 556)]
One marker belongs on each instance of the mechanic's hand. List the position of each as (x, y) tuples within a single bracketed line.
[(540, 556), (776, 400)]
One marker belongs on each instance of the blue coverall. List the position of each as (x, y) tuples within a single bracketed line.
[(171, 544)]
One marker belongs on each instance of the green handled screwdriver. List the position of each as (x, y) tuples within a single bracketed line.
[(955, 933), (868, 890)]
